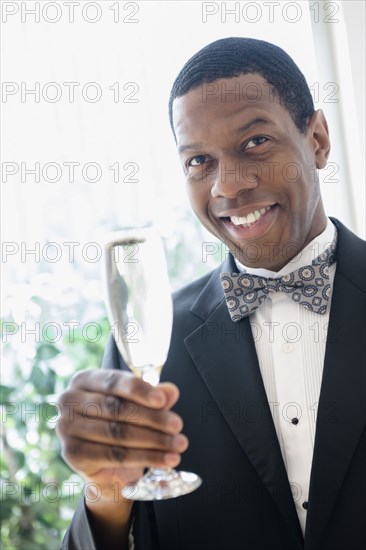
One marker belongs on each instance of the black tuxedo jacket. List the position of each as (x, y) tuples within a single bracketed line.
[(245, 501)]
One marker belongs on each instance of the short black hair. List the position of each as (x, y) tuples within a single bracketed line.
[(231, 57)]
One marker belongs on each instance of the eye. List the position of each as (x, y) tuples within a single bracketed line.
[(197, 161), (254, 142)]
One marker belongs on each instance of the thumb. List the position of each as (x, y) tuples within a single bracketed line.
[(171, 393)]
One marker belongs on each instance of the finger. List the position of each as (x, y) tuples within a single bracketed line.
[(129, 436), (89, 457), (85, 407), (122, 384)]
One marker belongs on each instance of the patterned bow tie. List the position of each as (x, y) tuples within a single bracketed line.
[(309, 286)]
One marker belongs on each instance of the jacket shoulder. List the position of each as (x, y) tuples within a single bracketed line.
[(351, 256)]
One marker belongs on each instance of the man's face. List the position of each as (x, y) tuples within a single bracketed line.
[(250, 173)]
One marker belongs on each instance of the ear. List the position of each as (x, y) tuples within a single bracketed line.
[(318, 136)]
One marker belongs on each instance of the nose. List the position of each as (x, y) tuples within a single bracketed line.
[(234, 176)]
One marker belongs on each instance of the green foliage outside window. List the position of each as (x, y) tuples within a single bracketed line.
[(39, 492)]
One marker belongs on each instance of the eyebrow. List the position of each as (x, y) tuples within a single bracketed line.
[(254, 122)]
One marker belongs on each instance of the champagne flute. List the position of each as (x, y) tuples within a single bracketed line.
[(140, 311)]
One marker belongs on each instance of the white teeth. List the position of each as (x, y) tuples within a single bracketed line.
[(250, 218)]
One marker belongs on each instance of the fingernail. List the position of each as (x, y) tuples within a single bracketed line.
[(180, 443), (172, 459), (175, 423)]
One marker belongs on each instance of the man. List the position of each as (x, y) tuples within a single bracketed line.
[(272, 378)]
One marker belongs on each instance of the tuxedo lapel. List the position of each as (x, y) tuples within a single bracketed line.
[(224, 353), (341, 411)]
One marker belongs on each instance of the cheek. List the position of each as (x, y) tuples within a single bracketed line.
[(293, 181), (198, 197)]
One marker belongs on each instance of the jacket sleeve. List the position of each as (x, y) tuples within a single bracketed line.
[(79, 535)]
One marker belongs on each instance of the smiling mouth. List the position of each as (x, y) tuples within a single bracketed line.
[(248, 220)]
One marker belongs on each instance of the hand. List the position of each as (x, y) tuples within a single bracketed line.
[(112, 425)]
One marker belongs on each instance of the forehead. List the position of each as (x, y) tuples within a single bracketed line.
[(219, 104)]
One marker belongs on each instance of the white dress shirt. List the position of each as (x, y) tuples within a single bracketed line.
[(290, 343)]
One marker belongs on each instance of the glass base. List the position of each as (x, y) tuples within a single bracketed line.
[(159, 484)]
